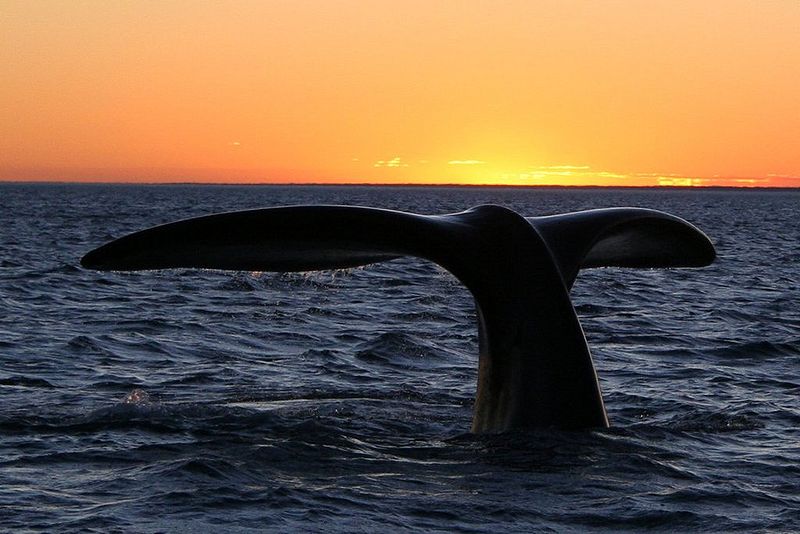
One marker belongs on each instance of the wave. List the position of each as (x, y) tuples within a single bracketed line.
[(758, 350), (400, 350), (715, 422), (25, 381)]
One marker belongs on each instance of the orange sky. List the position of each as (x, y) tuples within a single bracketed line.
[(521, 92)]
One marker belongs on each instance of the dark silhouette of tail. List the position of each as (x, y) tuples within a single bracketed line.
[(535, 369)]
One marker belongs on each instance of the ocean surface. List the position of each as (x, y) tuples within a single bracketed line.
[(204, 401)]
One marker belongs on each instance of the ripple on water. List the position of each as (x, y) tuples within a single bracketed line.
[(202, 401)]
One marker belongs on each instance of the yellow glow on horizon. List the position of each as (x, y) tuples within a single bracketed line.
[(552, 92)]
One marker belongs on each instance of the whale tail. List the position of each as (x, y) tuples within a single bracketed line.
[(622, 237), (307, 238), (535, 369)]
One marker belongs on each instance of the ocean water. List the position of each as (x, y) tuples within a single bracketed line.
[(191, 400)]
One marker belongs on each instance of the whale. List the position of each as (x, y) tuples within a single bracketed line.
[(535, 369)]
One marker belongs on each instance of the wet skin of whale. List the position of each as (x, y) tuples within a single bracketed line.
[(535, 369)]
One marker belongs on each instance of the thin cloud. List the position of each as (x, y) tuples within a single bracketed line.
[(563, 167), (784, 176), (465, 162), (683, 181), (394, 162)]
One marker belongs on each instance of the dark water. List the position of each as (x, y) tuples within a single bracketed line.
[(340, 401)]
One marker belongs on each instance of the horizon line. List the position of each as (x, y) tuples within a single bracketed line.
[(390, 184)]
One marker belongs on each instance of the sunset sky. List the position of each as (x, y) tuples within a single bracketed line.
[(513, 92)]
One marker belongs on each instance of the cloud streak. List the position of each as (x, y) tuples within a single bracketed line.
[(465, 162), (396, 161)]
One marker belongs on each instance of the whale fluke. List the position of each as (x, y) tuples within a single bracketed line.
[(535, 369), (622, 237)]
